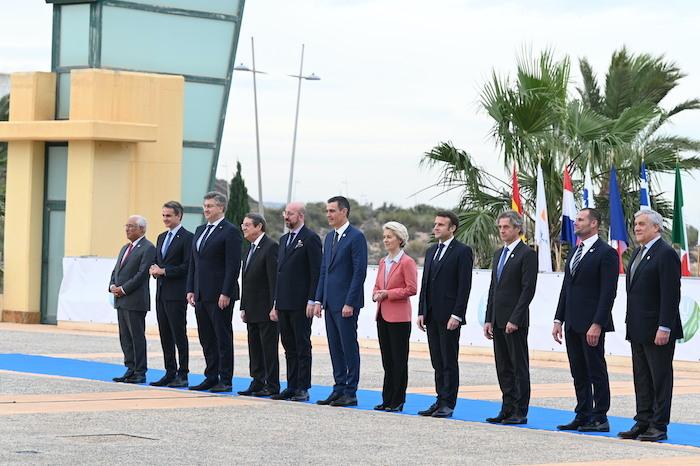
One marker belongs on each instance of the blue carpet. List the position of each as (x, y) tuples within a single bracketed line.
[(467, 410)]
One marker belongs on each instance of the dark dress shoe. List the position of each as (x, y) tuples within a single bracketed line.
[(573, 425), (266, 391), (381, 407), (249, 391), (300, 395), (331, 398), (498, 419), (444, 411), (285, 394), (221, 388), (595, 426), (126, 375), (135, 379), (395, 409), (206, 385), (344, 401), (165, 380), (178, 382), (514, 420), (634, 432), (429, 412), (653, 435)]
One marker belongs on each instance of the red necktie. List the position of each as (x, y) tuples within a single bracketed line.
[(128, 251)]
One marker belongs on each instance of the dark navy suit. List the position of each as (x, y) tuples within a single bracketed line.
[(587, 297), (653, 298), (298, 267), (213, 271), (341, 282)]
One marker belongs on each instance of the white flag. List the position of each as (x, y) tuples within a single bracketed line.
[(588, 200), (542, 226)]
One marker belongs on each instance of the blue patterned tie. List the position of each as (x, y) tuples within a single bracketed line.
[(166, 244), (501, 263)]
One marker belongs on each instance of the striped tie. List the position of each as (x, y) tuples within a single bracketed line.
[(577, 259)]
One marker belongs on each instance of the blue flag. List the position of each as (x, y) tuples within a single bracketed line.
[(644, 201), (618, 229)]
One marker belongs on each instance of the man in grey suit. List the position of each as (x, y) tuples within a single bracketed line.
[(132, 297)]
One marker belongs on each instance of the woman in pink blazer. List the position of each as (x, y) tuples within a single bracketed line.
[(395, 284)]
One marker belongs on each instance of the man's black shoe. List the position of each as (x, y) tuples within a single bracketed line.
[(206, 385), (573, 425), (380, 407), (165, 380), (266, 391), (249, 391), (429, 412), (221, 388), (344, 401), (595, 426), (445, 411), (498, 419), (135, 379), (285, 394), (394, 409), (653, 435), (178, 382), (634, 432), (126, 375), (331, 398), (300, 395), (514, 420)]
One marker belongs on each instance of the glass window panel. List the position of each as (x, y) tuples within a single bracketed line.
[(202, 111), (192, 221), (56, 171), (229, 7), (75, 35), (196, 170), (147, 41), (63, 106), (54, 272)]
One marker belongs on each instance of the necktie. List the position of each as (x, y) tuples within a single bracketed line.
[(128, 251), (438, 254), (637, 261), (166, 244), (335, 243), (205, 236), (250, 256), (501, 263), (577, 258), (291, 238)]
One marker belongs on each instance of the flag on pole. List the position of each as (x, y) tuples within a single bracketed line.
[(644, 201), (618, 229), (588, 200), (515, 202), (544, 252), (568, 211), (678, 232)]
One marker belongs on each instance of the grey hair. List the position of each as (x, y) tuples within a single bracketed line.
[(399, 230), (140, 221), (654, 216), (257, 219), (219, 198), (516, 220)]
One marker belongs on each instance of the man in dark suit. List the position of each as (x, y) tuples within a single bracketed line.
[(173, 251), (299, 264), (212, 288), (340, 292), (132, 298), (442, 307), (653, 325), (257, 296), (585, 310), (513, 282)]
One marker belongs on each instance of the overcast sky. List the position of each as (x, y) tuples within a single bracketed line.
[(397, 77)]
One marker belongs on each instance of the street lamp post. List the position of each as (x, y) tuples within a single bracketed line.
[(300, 76), (241, 67)]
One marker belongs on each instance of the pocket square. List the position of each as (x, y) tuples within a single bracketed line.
[(299, 244)]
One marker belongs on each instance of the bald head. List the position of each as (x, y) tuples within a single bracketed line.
[(294, 215)]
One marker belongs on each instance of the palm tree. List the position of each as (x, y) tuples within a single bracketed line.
[(537, 121)]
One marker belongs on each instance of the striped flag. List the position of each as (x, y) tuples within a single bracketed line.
[(678, 232), (568, 211), (515, 202), (588, 200), (618, 229), (544, 252), (644, 201)]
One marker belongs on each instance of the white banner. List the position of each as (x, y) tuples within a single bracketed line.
[(84, 298)]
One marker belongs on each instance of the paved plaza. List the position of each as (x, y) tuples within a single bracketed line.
[(65, 420)]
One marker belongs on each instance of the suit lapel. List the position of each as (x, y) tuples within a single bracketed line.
[(511, 256), (256, 252), (341, 243), (213, 233), (591, 251), (646, 258), (393, 269), (288, 251), (445, 255)]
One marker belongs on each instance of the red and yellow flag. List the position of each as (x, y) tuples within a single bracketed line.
[(515, 202)]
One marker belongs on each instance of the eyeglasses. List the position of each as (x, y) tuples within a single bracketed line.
[(130, 225)]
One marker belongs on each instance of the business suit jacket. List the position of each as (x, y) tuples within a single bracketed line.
[(588, 296), (259, 277), (446, 283), (343, 274), (400, 285), (509, 299), (176, 262), (214, 270), (653, 294), (298, 268), (133, 276)]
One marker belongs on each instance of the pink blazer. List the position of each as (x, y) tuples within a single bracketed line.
[(401, 284)]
